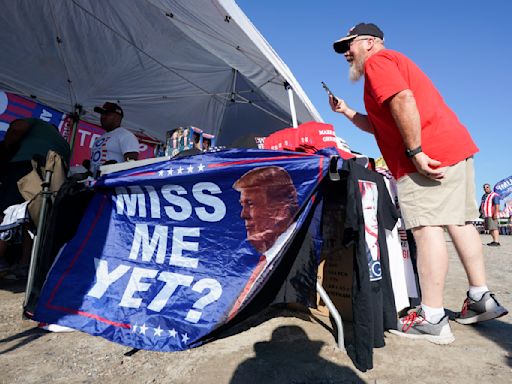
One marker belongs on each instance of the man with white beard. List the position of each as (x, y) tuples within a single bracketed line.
[(430, 153)]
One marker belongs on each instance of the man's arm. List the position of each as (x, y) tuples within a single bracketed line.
[(360, 120), (496, 208), (131, 156), (407, 118)]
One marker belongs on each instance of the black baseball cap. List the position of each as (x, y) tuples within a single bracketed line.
[(109, 107), (342, 45)]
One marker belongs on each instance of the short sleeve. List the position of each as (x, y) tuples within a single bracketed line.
[(128, 142), (383, 77)]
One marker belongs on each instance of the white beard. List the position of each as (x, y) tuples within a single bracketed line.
[(356, 70)]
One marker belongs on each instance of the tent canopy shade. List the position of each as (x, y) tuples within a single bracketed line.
[(168, 63)]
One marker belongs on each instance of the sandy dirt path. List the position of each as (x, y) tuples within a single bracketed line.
[(276, 347)]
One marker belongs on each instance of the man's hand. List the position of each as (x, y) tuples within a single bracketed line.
[(358, 119), (340, 106), (426, 166)]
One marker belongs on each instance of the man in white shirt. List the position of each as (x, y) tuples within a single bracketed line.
[(117, 144)]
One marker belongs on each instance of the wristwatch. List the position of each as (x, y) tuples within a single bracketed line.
[(410, 153)]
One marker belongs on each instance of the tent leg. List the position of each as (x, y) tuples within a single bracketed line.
[(292, 105), (335, 314), (76, 119), (36, 247)]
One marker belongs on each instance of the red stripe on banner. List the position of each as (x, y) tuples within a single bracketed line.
[(21, 100), (255, 273), (15, 110), (82, 246), (320, 171), (143, 174), (257, 160), (8, 117), (89, 315)]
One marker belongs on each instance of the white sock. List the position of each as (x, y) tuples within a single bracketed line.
[(476, 293), (432, 315)]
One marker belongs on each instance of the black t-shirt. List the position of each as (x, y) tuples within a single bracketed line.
[(369, 211)]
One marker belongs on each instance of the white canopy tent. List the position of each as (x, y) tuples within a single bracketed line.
[(168, 63)]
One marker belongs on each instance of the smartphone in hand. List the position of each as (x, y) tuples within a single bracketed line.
[(334, 98)]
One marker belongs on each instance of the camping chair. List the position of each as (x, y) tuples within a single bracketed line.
[(39, 187)]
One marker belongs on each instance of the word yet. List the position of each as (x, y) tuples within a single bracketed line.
[(142, 279)]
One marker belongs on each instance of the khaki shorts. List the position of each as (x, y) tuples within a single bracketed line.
[(449, 201), (490, 224)]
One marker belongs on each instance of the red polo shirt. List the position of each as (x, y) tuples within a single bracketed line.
[(443, 137)]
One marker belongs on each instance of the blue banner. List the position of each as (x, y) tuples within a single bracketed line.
[(168, 252), (504, 188)]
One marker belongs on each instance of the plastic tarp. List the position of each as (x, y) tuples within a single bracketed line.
[(168, 63)]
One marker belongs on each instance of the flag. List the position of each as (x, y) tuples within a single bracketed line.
[(168, 252)]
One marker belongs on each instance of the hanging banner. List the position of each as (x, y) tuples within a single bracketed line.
[(14, 107), (168, 252), (504, 188)]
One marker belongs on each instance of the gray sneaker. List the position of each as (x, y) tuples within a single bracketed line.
[(487, 308), (415, 326)]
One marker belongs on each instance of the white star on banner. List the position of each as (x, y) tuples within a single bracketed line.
[(134, 328), (200, 167), (180, 170), (158, 331), (184, 338), (170, 172), (190, 168), (143, 329), (172, 332), (161, 173)]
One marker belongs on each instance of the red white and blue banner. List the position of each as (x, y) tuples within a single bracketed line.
[(504, 188), (14, 107), (169, 252)]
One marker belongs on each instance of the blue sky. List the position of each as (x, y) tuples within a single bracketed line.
[(463, 46)]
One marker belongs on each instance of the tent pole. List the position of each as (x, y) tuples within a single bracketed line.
[(334, 313), (76, 119), (233, 86), (292, 104)]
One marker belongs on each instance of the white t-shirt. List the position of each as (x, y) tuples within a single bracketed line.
[(112, 146)]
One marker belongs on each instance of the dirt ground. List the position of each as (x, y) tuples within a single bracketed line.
[(276, 347)]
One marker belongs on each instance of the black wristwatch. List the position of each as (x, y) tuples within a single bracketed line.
[(410, 153)]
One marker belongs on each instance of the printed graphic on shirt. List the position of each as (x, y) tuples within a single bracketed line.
[(369, 199), (99, 151)]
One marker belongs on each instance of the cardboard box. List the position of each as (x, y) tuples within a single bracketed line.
[(336, 266)]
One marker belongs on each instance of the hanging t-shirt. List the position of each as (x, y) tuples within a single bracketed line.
[(369, 212), (111, 146), (400, 264), (443, 137)]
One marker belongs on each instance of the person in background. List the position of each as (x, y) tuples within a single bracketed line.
[(117, 144), (430, 153), (24, 140), (206, 143), (489, 210)]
